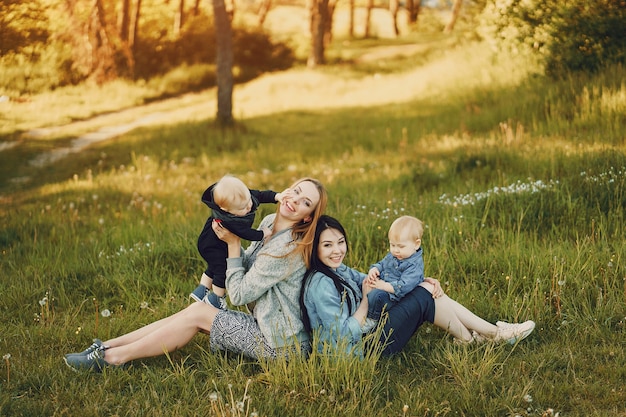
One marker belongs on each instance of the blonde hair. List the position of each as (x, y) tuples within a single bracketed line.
[(230, 193), (407, 226)]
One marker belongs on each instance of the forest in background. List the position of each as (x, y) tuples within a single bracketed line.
[(47, 44)]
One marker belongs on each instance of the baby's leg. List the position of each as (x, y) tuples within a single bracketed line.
[(219, 291), (206, 280)]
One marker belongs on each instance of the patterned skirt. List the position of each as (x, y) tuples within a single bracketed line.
[(238, 332)]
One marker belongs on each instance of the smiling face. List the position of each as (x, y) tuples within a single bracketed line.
[(300, 202), (332, 248)]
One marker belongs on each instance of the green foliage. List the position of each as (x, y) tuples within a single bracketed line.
[(588, 36), (525, 218), (23, 27), (568, 36), (32, 65)]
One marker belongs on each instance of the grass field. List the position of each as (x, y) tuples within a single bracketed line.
[(520, 181)]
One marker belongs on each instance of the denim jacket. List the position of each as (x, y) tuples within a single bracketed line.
[(404, 275), (328, 310)]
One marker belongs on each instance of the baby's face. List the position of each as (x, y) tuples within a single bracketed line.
[(242, 208), (402, 246)]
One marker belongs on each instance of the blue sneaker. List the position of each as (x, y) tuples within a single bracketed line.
[(97, 344), (215, 300), (93, 361), (199, 293)]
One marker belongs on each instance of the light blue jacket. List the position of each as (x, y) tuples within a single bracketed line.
[(328, 310), (403, 275)]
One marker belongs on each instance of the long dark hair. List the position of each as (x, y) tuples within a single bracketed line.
[(316, 265)]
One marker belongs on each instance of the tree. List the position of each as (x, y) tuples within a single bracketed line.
[(224, 64), (123, 22), (413, 8), (576, 35), (179, 17), (318, 24), (368, 17), (393, 9), (264, 9), (22, 25), (456, 9), (351, 19)]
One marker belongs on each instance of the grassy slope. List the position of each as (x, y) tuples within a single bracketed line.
[(112, 228)]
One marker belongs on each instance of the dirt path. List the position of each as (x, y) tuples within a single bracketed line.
[(296, 89), (299, 89)]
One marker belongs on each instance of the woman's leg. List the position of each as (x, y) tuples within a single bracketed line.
[(458, 320), (206, 280), (165, 335)]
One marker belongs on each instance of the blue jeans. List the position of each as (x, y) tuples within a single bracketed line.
[(405, 317), (377, 302)]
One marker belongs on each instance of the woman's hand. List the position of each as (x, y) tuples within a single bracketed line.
[(232, 240), (437, 290), (223, 233), (366, 288)]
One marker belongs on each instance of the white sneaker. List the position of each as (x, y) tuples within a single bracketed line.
[(514, 332)]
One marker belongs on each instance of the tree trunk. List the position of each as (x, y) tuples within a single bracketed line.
[(264, 9), (413, 8), (351, 20), (456, 8), (328, 26), (393, 9), (123, 25), (103, 54), (319, 18), (368, 17), (123, 32), (134, 27), (224, 64), (196, 8), (179, 18)]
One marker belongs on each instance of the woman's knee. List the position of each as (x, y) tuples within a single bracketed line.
[(428, 286), (201, 314)]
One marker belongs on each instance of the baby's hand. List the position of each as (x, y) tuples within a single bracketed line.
[(281, 196), (267, 232), (373, 275)]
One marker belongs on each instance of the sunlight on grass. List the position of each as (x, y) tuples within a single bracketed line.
[(522, 191)]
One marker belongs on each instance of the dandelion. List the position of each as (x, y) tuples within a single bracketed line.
[(106, 313), (405, 409), (143, 305), (528, 398), (43, 301), (213, 396), (6, 359)]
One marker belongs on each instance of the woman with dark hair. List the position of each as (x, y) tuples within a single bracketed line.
[(334, 300)]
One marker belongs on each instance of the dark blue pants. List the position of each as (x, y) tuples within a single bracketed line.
[(405, 317), (377, 302)]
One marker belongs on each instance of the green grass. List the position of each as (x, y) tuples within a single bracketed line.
[(114, 228)]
